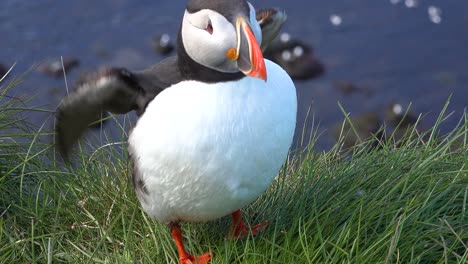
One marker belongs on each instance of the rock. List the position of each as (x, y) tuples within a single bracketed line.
[(404, 123), (396, 114), (368, 125), (348, 88), (345, 87), (54, 68), (296, 57)]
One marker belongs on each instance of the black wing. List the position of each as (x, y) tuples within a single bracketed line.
[(114, 90), (271, 20)]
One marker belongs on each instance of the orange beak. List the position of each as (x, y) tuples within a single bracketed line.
[(249, 55)]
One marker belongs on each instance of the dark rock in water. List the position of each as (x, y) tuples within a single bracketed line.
[(405, 124), (367, 126), (54, 68), (348, 88), (397, 115), (345, 87), (163, 44), (296, 57), (3, 70)]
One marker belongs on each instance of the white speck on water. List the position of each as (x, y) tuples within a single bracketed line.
[(286, 55), (285, 37), (433, 11), (411, 3), (298, 51), (435, 14), (397, 109), (56, 66), (336, 20), (164, 40), (436, 20)]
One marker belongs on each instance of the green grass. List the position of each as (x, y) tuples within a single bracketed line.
[(402, 202)]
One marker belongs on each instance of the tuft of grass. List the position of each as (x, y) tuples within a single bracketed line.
[(402, 202)]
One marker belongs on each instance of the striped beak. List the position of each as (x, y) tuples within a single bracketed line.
[(249, 55)]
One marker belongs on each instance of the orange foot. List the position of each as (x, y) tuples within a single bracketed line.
[(240, 230), (184, 256), (202, 259)]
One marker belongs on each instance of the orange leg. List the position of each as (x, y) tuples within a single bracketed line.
[(240, 230), (184, 257)]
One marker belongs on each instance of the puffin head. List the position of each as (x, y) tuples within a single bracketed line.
[(223, 35)]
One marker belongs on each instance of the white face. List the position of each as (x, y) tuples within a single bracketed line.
[(208, 45)]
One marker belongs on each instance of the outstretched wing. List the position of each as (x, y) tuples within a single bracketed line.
[(114, 90), (271, 20)]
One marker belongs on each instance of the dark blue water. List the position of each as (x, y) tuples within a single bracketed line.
[(395, 52)]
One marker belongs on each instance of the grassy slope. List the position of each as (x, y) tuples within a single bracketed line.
[(392, 205)]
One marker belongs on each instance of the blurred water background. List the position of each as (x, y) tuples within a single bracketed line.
[(375, 52)]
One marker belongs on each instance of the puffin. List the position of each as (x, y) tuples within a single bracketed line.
[(215, 121)]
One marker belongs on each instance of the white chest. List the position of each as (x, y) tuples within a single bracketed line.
[(205, 150)]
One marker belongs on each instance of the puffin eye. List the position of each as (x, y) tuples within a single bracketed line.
[(209, 27)]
